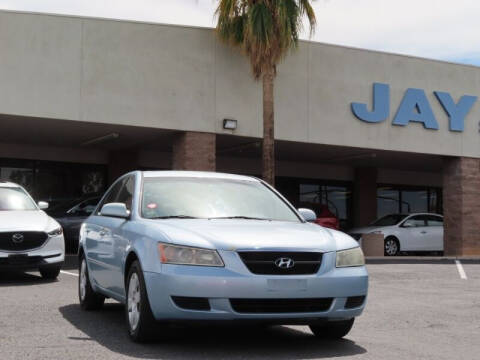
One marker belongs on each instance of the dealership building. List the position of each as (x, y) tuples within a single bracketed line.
[(84, 100)]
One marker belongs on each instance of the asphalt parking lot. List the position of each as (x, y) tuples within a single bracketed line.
[(415, 311)]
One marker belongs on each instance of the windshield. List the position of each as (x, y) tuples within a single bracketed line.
[(15, 199), (212, 198), (389, 220)]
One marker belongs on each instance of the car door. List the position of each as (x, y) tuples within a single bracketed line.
[(435, 232), (414, 233), (114, 241), (97, 242)]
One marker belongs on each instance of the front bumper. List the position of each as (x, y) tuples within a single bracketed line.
[(234, 281), (50, 254)]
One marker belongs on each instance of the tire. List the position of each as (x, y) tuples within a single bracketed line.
[(140, 321), (333, 329), (392, 246), (89, 299), (50, 273)]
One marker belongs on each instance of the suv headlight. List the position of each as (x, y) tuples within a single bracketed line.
[(55, 232), (350, 257), (186, 255)]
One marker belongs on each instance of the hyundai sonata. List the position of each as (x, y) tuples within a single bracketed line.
[(197, 246)]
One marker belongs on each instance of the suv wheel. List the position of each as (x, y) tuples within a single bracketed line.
[(140, 320), (50, 273), (89, 299), (333, 329)]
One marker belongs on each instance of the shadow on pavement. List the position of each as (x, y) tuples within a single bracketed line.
[(18, 278), (107, 327)]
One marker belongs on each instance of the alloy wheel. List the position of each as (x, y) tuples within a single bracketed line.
[(133, 301), (391, 247), (83, 280)]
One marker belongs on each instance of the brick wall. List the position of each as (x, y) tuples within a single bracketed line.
[(194, 151), (461, 206)]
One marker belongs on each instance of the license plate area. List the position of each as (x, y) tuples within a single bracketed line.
[(18, 259), (287, 284)]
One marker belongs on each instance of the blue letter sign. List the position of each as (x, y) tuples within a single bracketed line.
[(456, 113), (415, 107), (381, 105)]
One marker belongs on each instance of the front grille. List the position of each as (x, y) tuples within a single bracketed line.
[(354, 301), (191, 303), (281, 306), (263, 262), (22, 240)]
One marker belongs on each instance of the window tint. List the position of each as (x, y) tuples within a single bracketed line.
[(111, 195), (433, 220), (415, 221), (126, 192)]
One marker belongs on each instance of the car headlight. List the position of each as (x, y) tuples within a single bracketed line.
[(350, 257), (55, 232), (186, 255)]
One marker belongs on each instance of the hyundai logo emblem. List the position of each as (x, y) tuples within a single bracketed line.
[(17, 238), (284, 263)]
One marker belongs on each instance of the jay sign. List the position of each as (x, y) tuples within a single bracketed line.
[(414, 107)]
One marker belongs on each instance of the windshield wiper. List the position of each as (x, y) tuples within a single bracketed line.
[(239, 217), (174, 217)]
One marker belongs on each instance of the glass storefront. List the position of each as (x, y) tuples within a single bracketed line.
[(394, 199), (319, 195), (55, 182)]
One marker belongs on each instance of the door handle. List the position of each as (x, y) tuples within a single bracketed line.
[(102, 233), (423, 232)]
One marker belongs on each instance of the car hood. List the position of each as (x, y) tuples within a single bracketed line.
[(252, 234), (32, 220), (367, 229)]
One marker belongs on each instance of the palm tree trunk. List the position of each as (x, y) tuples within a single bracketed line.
[(268, 148)]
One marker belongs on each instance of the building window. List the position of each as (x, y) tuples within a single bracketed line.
[(392, 199), (55, 182)]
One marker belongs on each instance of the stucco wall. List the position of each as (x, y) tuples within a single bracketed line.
[(182, 78)]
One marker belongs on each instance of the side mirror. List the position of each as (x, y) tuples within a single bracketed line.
[(43, 205), (115, 210), (308, 215)]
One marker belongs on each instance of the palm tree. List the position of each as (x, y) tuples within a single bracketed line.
[(266, 30)]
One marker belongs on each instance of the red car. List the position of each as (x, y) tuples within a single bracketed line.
[(327, 219)]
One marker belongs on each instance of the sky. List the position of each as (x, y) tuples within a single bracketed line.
[(437, 29)]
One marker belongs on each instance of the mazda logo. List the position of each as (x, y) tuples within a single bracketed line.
[(284, 263), (17, 238)]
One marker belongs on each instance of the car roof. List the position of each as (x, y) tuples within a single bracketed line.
[(198, 174), (7, 184)]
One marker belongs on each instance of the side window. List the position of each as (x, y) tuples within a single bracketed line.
[(415, 221), (433, 220), (126, 192), (111, 195)]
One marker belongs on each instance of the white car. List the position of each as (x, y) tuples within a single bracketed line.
[(29, 238), (406, 232)]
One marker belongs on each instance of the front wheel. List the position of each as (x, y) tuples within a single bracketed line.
[(50, 273), (89, 299), (140, 320), (333, 329)]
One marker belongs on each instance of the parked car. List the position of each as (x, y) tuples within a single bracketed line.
[(407, 232), (327, 219), (198, 246), (71, 215), (29, 238)]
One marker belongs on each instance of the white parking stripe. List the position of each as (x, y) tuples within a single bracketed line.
[(68, 273), (460, 269)]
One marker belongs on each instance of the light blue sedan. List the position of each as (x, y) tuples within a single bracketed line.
[(198, 246)]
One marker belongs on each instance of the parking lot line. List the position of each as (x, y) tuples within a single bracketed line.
[(68, 273), (460, 269)]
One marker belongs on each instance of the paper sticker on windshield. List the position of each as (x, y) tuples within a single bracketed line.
[(152, 206)]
